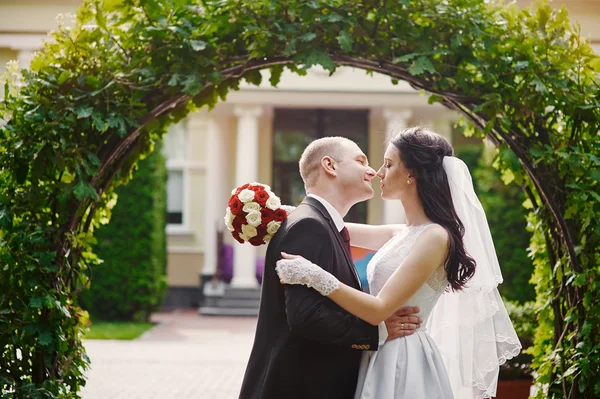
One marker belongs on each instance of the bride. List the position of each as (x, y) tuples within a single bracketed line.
[(443, 260)]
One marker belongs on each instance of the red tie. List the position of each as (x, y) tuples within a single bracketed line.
[(346, 236)]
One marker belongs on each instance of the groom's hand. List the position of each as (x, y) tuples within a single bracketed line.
[(403, 323)]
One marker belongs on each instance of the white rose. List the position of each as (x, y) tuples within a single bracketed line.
[(233, 191), (229, 219), (273, 203), (254, 219), (272, 227), (251, 207), (267, 238), (246, 195), (244, 237), (249, 231)]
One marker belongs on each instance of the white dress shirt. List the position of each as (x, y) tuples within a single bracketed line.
[(339, 225)]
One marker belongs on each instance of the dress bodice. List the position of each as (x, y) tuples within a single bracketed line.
[(391, 255)]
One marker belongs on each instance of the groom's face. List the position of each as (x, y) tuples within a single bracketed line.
[(354, 174)]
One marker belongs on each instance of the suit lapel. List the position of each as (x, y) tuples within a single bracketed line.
[(316, 204)]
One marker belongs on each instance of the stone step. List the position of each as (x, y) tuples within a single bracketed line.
[(232, 301), (242, 293), (219, 311), (228, 302)]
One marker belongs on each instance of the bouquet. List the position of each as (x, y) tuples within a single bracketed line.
[(254, 214)]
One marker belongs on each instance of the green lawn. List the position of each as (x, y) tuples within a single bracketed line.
[(117, 330)]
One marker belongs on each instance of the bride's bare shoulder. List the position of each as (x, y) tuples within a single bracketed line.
[(436, 234)]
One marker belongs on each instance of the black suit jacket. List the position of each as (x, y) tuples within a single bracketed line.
[(306, 346)]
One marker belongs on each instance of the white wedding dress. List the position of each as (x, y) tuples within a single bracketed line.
[(410, 367)]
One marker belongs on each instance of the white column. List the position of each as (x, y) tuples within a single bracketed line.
[(214, 201), (24, 58), (246, 171), (396, 120)]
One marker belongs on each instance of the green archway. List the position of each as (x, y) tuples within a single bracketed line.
[(95, 101)]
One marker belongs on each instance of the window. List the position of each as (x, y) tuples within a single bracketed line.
[(294, 129), (175, 197), (175, 150)]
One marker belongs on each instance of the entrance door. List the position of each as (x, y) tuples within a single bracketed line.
[(294, 129)]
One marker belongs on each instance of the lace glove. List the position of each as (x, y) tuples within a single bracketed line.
[(301, 271)]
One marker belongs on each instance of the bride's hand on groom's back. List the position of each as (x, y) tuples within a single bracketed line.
[(403, 323)]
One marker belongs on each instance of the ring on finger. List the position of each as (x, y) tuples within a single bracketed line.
[(402, 326)]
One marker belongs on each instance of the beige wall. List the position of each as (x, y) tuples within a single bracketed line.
[(182, 269), (377, 136), (33, 16)]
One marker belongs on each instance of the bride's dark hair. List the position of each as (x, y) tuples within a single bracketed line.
[(422, 152)]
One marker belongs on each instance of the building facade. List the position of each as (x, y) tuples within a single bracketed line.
[(258, 134)]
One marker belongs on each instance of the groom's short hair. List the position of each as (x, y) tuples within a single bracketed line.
[(310, 160)]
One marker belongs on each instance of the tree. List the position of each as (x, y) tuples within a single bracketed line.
[(97, 98)]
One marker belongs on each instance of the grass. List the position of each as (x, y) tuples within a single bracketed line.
[(117, 330)]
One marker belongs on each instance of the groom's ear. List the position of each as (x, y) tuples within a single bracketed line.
[(328, 165)]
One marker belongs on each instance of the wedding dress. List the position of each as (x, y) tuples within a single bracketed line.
[(410, 367)]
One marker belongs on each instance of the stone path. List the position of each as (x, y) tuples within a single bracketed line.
[(186, 356)]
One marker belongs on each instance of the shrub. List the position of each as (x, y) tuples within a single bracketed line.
[(131, 281)]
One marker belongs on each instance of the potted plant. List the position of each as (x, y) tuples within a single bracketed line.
[(515, 377)]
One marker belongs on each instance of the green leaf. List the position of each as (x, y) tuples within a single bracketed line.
[(99, 123), (63, 77), (421, 65), (434, 98), (92, 81), (405, 58), (253, 77), (307, 37), (540, 87), (82, 190), (63, 309), (345, 40), (36, 302), (536, 152), (334, 17), (594, 159), (521, 65), (198, 45), (317, 57), (276, 72), (192, 85), (45, 338), (84, 111)]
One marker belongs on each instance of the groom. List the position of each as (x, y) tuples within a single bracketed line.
[(306, 346)]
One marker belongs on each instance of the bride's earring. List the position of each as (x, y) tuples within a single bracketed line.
[(408, 181)]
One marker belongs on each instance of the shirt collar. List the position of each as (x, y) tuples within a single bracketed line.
[(335, 215)]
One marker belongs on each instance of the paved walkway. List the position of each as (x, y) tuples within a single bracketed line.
[(186, 356)]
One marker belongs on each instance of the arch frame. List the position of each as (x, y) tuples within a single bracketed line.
[(99, 96)]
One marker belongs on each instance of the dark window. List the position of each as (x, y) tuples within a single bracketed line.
[(294, 129)]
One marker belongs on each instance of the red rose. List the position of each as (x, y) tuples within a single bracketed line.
[(235, 205), (267, 215), (255, 188), (239, 189), (236, 235), (257, 241), (280, 214), (239, 221), (261, 230), (261, 196)]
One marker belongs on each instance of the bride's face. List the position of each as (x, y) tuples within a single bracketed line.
[(393, 175)]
